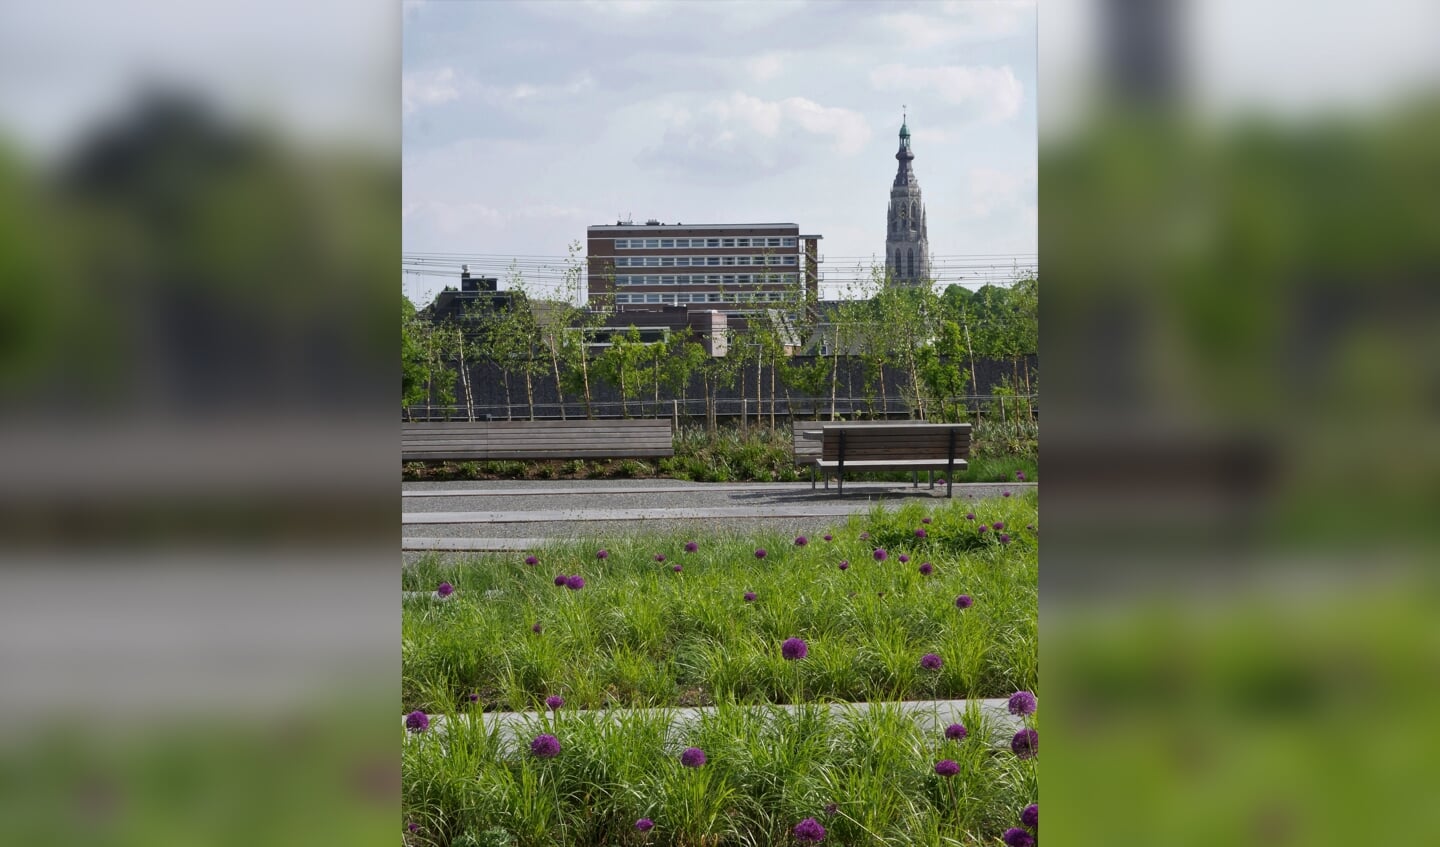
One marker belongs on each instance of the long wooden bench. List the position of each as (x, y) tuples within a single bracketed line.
[(578, 439), (890, 447)]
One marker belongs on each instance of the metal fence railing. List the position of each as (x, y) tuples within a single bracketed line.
[(978, 407)]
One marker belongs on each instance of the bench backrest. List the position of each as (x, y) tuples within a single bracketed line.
[(896, 441), (807, 450), (578, 439)]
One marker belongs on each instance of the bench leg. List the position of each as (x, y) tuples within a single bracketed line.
[(812, 477), (932, 480), (914, 479), (839, 483)]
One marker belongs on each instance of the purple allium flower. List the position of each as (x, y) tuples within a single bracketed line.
[(926, 568), (412, 826), (474, 696), (1026, 743), (575, 583), (809, 830), (829, 537), (531, 560), (749, 597), (1020, 475), (693, 757), (560, 579), (998, 525), (536, 627), (927, 519), (445, 589), (844, 565), (545, 746), (881, 555), (1005, 494), (920, 533), (1022, 703), (644, 824), (904, 558), (417, 721), (1031, 816), (1017, 837), (964, 601), (946, 768), (675, 568), (831, 809), (794, 648), (690, 547), (982, 528), (554, 701), (1003, 538), (969, 516), (864, 536), (931, 662), (760, 554), (956, 732), (801, 541), (603, 554), (659, 557)]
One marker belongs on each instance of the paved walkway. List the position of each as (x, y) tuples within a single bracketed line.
[(519, 515), (931, 716)]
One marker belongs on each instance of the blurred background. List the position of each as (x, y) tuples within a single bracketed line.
[(199, 214), (1240, 222)]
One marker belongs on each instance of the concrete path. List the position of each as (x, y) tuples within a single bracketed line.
[(468, 517), (931, 715)]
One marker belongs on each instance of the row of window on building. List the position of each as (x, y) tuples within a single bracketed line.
[(691, 243), (701, 261), (704, 297), (708, 279)]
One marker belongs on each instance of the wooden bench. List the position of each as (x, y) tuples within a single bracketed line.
[(578, 439), (890, 447), (805, 441)]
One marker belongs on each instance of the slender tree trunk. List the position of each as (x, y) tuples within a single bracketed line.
[(505, 377), (759, 392), (974, 374), (465, 386), (559, 391), (585, 378), (529, 391), (834, 377), (1029, 408), (772, 390)]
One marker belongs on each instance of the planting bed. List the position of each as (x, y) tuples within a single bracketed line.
[(674, 621)]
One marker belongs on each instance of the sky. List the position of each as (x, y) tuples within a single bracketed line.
[(525, 122)]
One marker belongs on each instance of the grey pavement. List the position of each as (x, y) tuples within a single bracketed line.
[(516, 514), (930, 715)]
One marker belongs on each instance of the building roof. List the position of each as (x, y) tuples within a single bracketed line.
[(633, 227)]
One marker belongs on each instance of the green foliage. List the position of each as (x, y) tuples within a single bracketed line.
[(693, 639)]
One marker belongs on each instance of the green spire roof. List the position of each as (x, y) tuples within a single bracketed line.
[(904, 131)]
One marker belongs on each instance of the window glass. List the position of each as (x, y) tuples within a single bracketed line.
[(667, 242), (727, 260), (789, 242), (727, 242), (712, 260), (667, 261), (622, 243), (742, 242), (712, 242), (652, 243), (652, 261), (652, 298)]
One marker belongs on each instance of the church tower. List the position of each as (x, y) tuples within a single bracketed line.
[(907, 247)]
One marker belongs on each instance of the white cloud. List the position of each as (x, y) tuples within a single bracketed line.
[(986, 93), (990, 190), (765, 67), (744, 137), (848, 131), (428, 88), (961, 22)]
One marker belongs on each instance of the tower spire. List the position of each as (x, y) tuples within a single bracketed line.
[(907, 248)]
